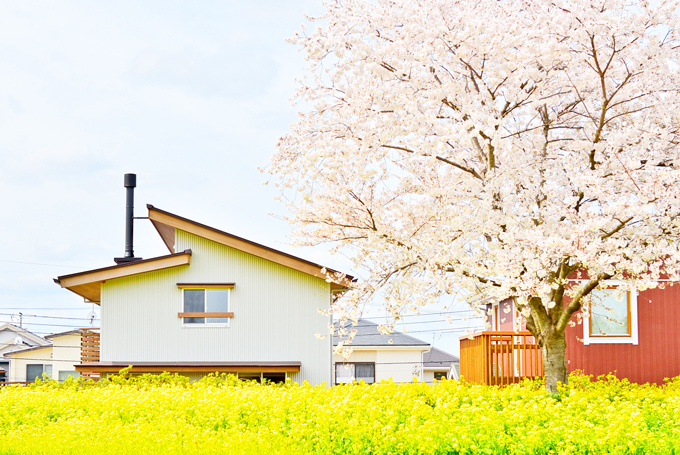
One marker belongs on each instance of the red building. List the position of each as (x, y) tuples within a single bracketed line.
[(632, 335)]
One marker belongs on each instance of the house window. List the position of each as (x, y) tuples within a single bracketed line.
[(610, 313), (35, 371), (274, 378), (439, 375), (206, 306), (64, 375), (350, 372), (612, 318)]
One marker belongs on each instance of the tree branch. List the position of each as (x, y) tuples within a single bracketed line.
[(575, 304), (440, 158)]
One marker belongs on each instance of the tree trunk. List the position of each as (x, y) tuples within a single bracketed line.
[(554, 361)]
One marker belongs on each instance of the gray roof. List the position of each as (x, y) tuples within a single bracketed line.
[(436, 358), (61, 334), (368, 335)]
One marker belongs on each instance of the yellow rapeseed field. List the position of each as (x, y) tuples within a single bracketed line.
[(220, 415)]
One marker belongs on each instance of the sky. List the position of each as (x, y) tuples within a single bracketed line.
[(190, 96)]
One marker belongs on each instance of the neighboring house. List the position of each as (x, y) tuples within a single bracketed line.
[(439, 365), (13, 338), (57, 359), (633, 335), (396, 356), (216, 303)]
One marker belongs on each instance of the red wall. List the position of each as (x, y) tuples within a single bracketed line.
[(506, 312), (657, 356)]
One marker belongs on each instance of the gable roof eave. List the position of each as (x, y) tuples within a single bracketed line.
[(87, 284), (166, 223), (28, 334)]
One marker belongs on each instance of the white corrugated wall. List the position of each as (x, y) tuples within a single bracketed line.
[(275, 309)]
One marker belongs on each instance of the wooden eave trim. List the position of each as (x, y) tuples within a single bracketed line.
[(191, 368), (167, 233), (206, 285), (238, 243), (119, 271), (206, 315)]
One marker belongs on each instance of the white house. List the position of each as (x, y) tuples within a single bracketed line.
[(215, 303), (13, 338), (396, 356), (57, 359), (438, 364)]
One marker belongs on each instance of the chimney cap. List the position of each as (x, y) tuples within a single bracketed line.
[(130, 180)]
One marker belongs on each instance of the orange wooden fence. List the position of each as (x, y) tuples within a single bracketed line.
[(500, 358), (89, 350)]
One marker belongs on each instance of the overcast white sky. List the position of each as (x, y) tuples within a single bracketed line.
[(190, 96)]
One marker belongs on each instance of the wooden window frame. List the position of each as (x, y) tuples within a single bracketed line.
[(631, 338), (205, 287), (629, 318)]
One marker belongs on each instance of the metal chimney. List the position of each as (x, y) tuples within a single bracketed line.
[(129, 182)]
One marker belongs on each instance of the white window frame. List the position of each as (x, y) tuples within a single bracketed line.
[(194, 325), (625, 339), (353, 366)]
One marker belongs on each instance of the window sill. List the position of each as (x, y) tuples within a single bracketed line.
[(610, 340), (205, 315), (204, 326)]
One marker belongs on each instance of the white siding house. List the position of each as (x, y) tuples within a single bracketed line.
[(57, 359), (397, 357), (217, 302), (13, 338)]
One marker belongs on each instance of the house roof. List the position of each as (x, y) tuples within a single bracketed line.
[(25, 333), (49, 343), (368, 335), (88, 283), (436, 358), (63, 334), (166, 223)]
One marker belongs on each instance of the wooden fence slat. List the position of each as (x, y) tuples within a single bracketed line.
[(500, 358)]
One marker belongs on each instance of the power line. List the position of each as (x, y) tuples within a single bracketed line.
[(45, 265), (48, 325), (452, 330), (423, 314), (48, 309), (441, 321), (47, 317)]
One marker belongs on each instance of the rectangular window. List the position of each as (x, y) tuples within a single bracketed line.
[(274, 378), (350, 372), (34, 371), (613, 316), (206, 306), (64, 375), (439, 375), (610, 313)]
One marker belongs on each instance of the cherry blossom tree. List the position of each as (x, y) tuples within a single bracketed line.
[(449, 146)]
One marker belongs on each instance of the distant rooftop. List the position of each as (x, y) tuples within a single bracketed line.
[(368, 335), (435, 358)]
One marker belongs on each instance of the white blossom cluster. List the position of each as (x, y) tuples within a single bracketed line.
[(453, 144)]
